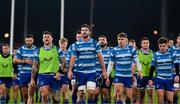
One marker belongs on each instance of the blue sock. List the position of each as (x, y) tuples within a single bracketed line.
[(49, 99), (128, 101), (81, 102), (74, 98), (119, 102), (175, 100), (65, 101), (91, 101), (96, 99), (3, 100), (36, 95), (7, 99), (15, 101), (105, 101)]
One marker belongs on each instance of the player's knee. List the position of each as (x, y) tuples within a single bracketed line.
[(44, 96), (31, 91), (56, 96), (170, 101), (81, 94)]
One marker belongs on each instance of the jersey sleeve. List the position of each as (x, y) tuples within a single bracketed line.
[(112, 55), (19, 53), (98, 49), (153, 62), (74, 50), (36, 55)]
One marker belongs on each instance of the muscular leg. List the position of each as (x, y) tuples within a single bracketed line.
[(44, 93), (24, 91)]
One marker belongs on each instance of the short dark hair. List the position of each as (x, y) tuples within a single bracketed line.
[(5, 44), (144, 38), (102, 36), (162, 40), (87, 26), (47, 32), (29, 36), (132, 40), (121, 35)]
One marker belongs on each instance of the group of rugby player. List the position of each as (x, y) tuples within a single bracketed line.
[(86, 68)]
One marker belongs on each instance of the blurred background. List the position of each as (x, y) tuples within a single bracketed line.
[(137, 18)]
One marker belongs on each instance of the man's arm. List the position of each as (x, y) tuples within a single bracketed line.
[(18, 61), (110, 66), (35, 68), (72, 61), (71, 65), (63, 64), (101, 62)]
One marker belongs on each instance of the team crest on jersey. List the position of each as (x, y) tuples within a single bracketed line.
[(47, 59), (5, 66)]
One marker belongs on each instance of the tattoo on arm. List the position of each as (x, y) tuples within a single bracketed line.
[(35, 68)]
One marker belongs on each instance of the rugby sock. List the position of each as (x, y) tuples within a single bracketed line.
[(119, 102), (91, 101), (175, 100), (81, 102), (96, 99), (128, 101), (105, 101), (65, 101), (36, 95), (3, 100), (74, 97), (49, 99), (7, 99), (15, 101)]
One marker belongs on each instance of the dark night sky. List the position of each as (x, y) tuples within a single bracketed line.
[(135, 17)]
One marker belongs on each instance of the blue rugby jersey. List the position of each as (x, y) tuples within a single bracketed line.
[(106, 55), (85, 53), (164, 64), (176, 54), (123, 59), (26, 53)]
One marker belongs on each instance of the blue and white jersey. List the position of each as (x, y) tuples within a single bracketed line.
[(106, 55), (19, 69), (164, 65), (176, 53), (24, 53), (123, 59), (85, 53)]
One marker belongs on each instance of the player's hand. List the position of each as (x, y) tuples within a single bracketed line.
[(176, 79), (107, 81), (14, 76), (70, 74), (57, 76), (140, 74), (104, 74), (27, 61), (65, 70), (150, 83), (32, 83), (133, 78)]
